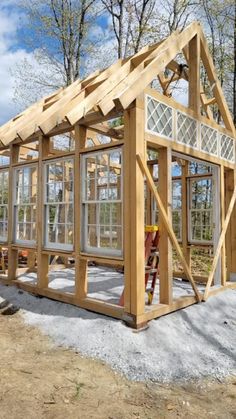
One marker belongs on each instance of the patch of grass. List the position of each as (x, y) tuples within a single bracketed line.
[(78, 387)]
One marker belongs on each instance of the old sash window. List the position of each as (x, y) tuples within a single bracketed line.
[(3, 205), (25, 202), (102, 202), (201, 210), (59, 200)]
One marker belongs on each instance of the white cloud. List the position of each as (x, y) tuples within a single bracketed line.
[(10, 55)]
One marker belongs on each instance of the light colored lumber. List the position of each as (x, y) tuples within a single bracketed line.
[(217, 89), (134, 268), (220, 244), (165, 247), (42, 259), (222, 217), (186, 248), (158, 310), (81, 282), (168, 50), (194, 74), (168, 226)]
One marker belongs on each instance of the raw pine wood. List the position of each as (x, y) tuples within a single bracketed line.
[(230, 182), (165, 246), (168, 226), (42, 259), (222, 216), (12, 253), (80, 264), (168, 50), (217, 90), (194, 74), (186, 248), (134, 210), (102, 96), (220, 244)]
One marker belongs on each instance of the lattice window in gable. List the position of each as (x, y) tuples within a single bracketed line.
[(227, 148), (186, 130), (159, 118), (209, 140)]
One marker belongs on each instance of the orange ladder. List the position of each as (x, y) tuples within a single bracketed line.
[(151, 261)]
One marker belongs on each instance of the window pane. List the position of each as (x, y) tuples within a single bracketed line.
[(59, 202), (92, 236), (61, 233), (103, 186)]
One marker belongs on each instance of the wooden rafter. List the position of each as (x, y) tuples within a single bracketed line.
[(108, 91)]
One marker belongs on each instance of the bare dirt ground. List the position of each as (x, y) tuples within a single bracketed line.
[(39, 380)]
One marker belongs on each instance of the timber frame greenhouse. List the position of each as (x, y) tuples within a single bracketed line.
[(109, 186)]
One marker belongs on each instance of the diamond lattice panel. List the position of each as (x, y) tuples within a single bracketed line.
[(209, 140), (186, 130), (159, 118), (227, 148)]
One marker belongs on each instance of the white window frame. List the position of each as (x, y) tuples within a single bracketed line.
[(191, 240), (16, 205), (84, 208), (47, 243), (179, 211), (4, 239)]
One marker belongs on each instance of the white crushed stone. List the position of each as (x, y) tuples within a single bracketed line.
[(196, 342)]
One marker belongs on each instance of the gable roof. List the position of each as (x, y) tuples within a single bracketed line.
[(112, 89)]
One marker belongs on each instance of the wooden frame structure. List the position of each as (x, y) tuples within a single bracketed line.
[(148, 118)]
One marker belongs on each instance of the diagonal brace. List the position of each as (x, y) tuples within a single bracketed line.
[(168, 226), (220, 244)]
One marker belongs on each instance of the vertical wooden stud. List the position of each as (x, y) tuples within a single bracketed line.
[(165, 247), (134, 298), (80, 264), (230, 182), (222, 216), (42, 259), (194, 74), (186, 248), (12, 253)]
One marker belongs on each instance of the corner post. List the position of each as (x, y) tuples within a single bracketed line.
[(134, 266)]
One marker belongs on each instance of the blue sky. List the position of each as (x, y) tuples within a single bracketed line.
[(13, 51)]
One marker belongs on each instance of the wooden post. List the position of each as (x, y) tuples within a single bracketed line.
[(81, 283), (12, 253), (230, 182), (149, 200), (42, 259), (165, 246), (194, 74), (186, 248), (222, 217), (134, 298)]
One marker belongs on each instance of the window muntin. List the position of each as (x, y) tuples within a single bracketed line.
[(59, 198), (25, 203), (102, 202), (4, 179), (176, 208), (201, 210)]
